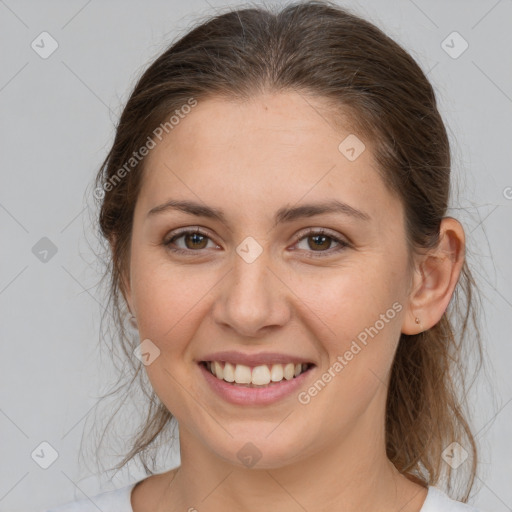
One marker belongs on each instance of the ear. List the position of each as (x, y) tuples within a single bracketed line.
[(436, 275)]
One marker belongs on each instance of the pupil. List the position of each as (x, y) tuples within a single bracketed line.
[(315, 237), (195, 237)]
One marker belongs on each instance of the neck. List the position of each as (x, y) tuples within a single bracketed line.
[(355, 476)]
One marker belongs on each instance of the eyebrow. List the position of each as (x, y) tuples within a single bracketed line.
[(285, 214)]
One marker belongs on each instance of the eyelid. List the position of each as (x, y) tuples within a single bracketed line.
[(319, 231)]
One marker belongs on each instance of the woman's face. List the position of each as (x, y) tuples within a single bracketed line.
[(255, 282)]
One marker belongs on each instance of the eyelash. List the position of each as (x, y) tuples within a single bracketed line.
[(342, 244)]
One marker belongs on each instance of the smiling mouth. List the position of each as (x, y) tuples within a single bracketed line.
[(257, 376)]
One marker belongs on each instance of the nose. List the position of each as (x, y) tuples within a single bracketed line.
[(252, 297)]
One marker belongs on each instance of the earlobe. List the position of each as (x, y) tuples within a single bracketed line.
[(435, 279)]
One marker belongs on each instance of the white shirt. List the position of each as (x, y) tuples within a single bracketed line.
[(119, 500)]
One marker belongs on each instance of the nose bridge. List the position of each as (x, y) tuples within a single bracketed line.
[(251, 297)]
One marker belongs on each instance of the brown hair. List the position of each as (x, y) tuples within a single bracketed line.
[(325, 52)]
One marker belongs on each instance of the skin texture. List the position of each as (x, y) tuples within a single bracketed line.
[(250, 159)]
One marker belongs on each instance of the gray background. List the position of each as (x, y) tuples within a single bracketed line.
[(57, 118)]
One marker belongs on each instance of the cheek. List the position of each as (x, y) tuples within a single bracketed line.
[(357, 314), (167, 297), (170, 301), (348, 299)]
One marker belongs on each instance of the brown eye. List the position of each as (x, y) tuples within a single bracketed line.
[(320, 242), (194, 241)]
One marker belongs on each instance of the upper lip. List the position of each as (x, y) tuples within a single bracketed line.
[(254, 359)]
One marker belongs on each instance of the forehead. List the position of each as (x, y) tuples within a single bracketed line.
[(265, 125), (273, 149)]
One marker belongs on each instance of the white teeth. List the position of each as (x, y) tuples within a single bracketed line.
[(242, 374), (276, 373), (289, 370), (259, 375), (217, 369), (229, 372)]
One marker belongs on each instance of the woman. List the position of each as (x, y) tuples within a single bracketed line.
[(274, 202)]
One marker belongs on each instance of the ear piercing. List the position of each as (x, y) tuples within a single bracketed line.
[(418, 321)]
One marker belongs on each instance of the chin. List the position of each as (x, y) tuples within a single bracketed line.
[(259, 450)]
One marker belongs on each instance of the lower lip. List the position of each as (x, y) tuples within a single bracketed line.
[(242, 395)]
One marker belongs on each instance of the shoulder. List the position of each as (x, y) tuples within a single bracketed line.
[(438, 501), (147, 494), (117, 500)]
